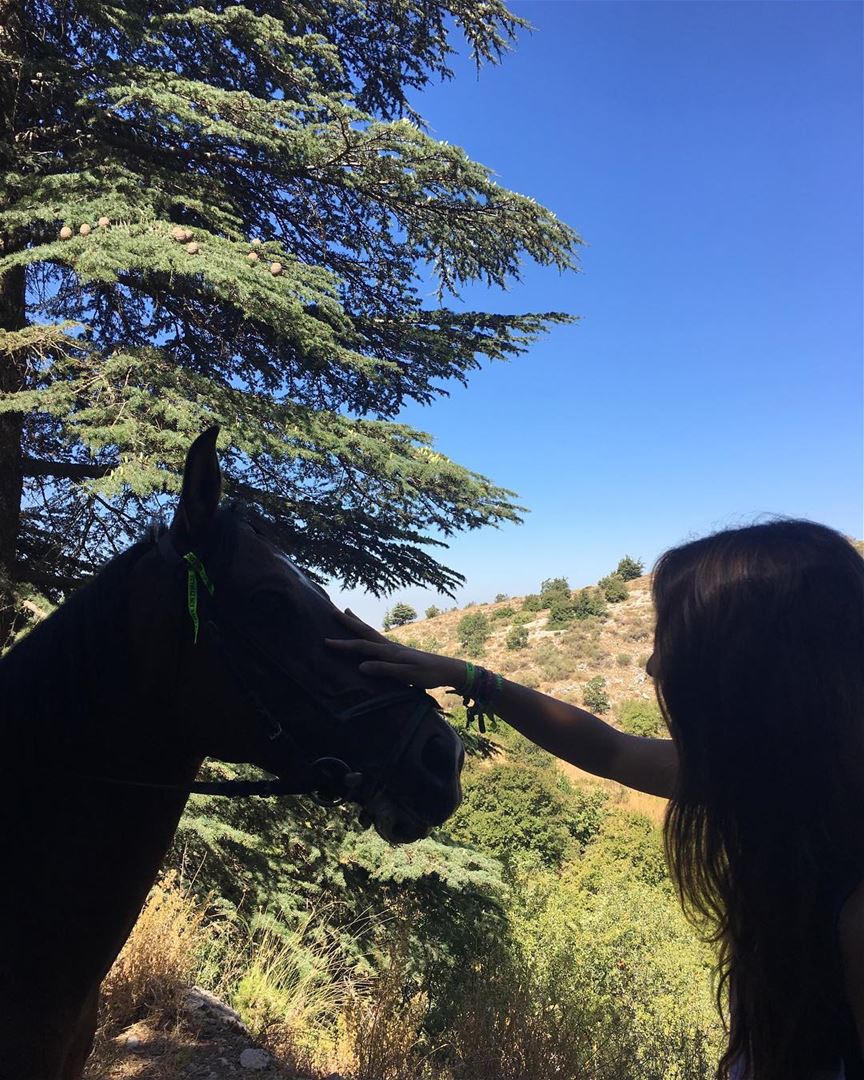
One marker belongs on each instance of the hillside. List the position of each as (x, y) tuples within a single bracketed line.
[(615, 647)]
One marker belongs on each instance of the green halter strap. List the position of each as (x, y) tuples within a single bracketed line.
[(194, 574)]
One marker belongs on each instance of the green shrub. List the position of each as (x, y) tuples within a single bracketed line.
[(613, 588), (630, 568), (534, 602), (505, 612), (551, 661), (432, 612), (590, 602), (516, 808), (639, 717), (399, 615), (562, 611), (472, 632), (500, 597), (522, 618), (553, 589), (623, 659), (517, 638), (594, 696)]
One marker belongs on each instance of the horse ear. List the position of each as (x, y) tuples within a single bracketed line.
[(202, 488)]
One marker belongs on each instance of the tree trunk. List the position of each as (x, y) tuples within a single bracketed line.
[(12, 317)]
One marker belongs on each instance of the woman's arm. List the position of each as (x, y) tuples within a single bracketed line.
[(567, 732)]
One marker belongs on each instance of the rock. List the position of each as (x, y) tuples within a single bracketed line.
[(132, 1042), (253, 1058), (206, 1007)]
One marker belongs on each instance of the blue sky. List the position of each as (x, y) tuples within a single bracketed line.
[(710, 155)]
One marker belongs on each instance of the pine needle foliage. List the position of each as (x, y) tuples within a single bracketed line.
[(230, 212)]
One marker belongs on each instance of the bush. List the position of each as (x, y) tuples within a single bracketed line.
[(501, 596), (630, 568), (561, 613), (623, 659), (553, 589), (517, 638), (505, 612), (638, 717), (522, 618), (613, 588), (472, 632), (534, 602), (399, 615), (590, 602), (594, 696), (509, 809), (432, 612), (551, 661)]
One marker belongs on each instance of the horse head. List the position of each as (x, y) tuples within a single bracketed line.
[(254, 682)]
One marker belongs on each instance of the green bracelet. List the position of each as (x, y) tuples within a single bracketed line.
[(470, 676)]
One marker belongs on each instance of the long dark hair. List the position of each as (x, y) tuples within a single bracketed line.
[(758, 658)]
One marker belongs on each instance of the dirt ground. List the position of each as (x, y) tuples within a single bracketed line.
[(206, 1042)]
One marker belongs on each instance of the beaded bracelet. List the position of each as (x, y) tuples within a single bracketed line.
[(481, 686)]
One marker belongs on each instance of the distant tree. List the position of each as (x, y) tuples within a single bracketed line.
[(501, 596), (553, 589), (400, 614), (590, 602), (614, 588), (472, 632), (630, 568), (562, 611), (432, 612), (594, 696), (534, 602)]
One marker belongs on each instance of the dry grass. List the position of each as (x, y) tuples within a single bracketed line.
[(158, 962)]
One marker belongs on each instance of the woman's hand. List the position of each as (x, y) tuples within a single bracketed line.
[(387, 659)]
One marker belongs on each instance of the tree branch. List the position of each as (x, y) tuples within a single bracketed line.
[(70, 470), (24, 572)]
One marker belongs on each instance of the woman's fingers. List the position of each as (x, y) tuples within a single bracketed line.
[(363, 646), (384, 670)]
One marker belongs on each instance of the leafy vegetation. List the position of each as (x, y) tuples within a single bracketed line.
[(399, 615), (613, 588), (472, 632), (639, 717), (594, 695), (629, 568)]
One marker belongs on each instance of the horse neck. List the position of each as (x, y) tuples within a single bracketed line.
[(72, 694)]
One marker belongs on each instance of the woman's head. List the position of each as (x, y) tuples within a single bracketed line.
[(758, 652), (759, 662)]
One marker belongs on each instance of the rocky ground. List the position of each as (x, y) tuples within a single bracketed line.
[(208, 1041)]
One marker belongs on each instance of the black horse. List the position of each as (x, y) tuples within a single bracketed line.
[(202, 640)]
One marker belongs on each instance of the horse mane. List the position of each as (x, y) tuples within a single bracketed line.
[(80, 650)]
